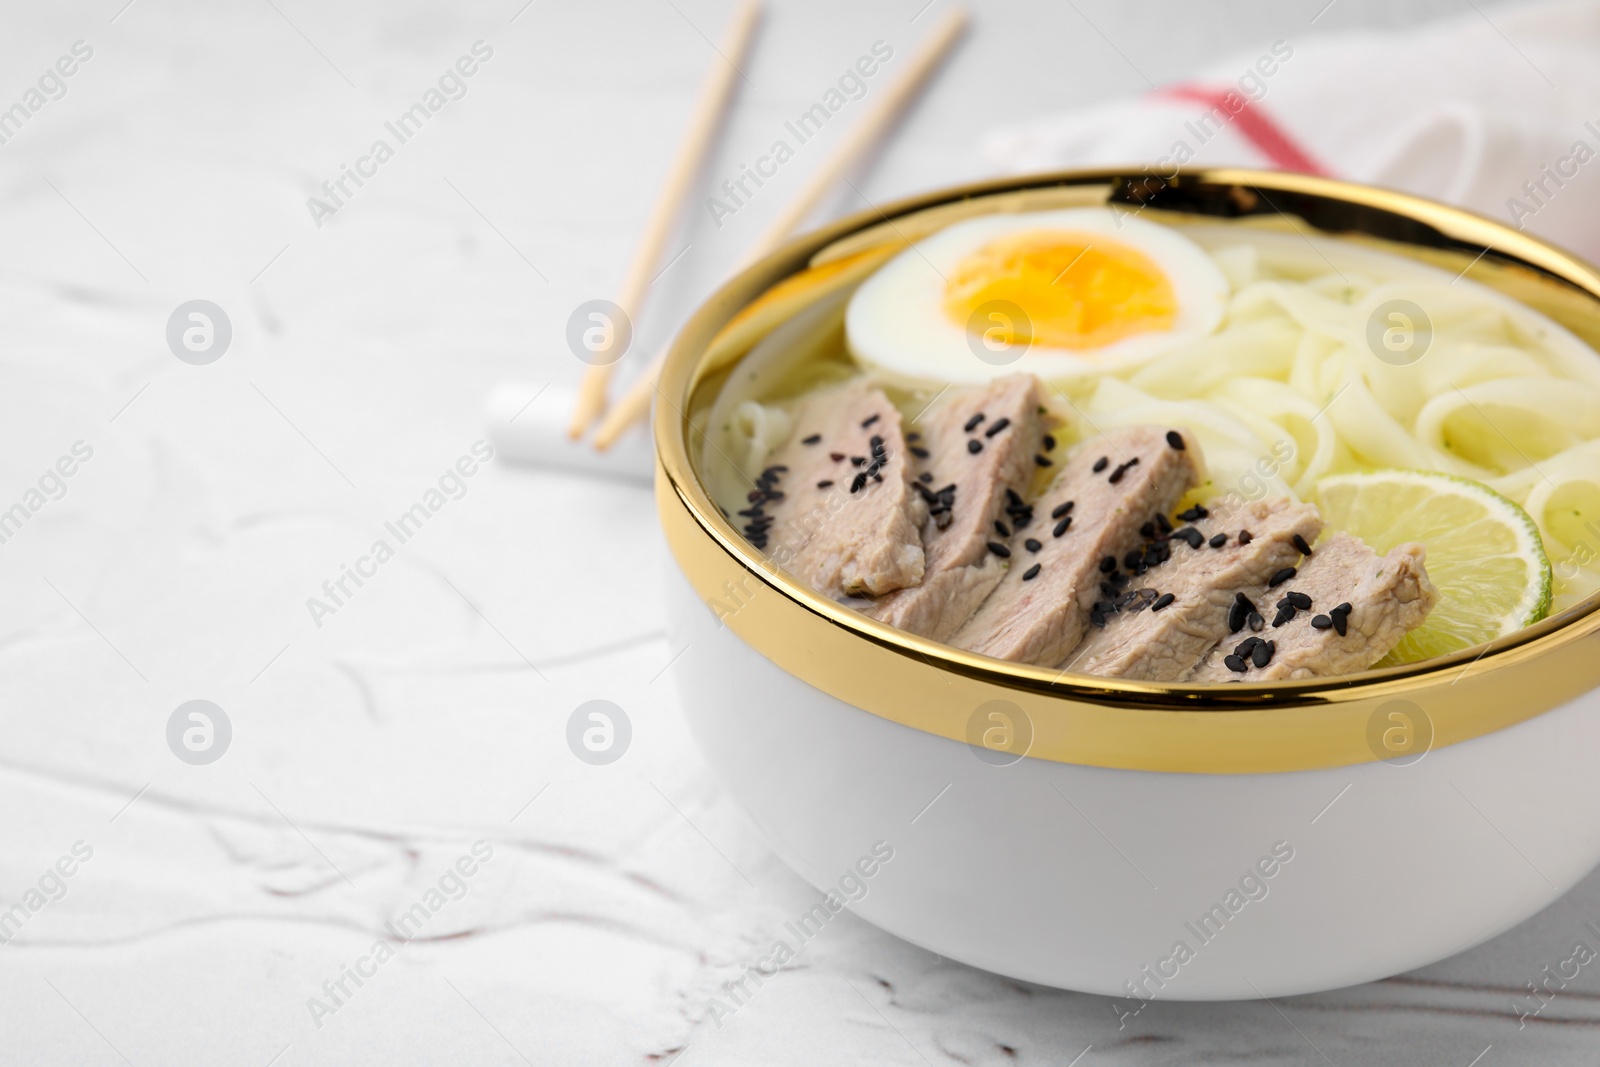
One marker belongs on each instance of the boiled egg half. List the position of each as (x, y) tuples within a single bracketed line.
[(1058, 294)]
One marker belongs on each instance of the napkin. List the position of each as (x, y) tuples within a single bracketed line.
[(1496, 110)]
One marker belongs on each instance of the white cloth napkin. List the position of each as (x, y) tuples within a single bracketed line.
[(1497, 111)]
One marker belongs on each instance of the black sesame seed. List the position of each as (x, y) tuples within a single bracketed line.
[(1097, 617), (1122, 468), (1061, 509), (813, 439), (857, 482), (972, 423), (913, 436), (1000, 550), (1175, 439), (1255, 621), (1049, 443), (1134, 559), (1280, 577), (974, 446), (1147, 531), (1108, 564), (920, 453), (1001, 528), (825, 483), (1118, 579), (1261, 655), (868, 421), (856, 461), (1162, 601), (1321, 622), (1235, 664), (1245, 537), (1043, 461), (1012, 498), (1285, 615), (1101, 464), (1247, 646), (1300, 543), (999, 424), (1218, 540), (1194, 514), (925, 476), (1032, 545), (1342, 609), (1163, 524), (1031, 573), (1191, 535), (1341, 623), (1299, 600), (1062, 527), (1236, 617)]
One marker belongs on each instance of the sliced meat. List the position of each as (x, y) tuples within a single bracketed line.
[(845, 526), (1161, 626), (967, 496), (1382, 599), (1093, 510)]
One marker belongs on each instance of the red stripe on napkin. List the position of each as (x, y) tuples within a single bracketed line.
[(1256, 125)]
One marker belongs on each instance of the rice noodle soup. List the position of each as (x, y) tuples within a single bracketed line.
[(1331, 457)]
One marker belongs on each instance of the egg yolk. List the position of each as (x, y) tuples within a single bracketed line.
[(1076, 290)]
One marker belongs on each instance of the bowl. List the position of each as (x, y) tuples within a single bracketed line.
[(1135, 840)]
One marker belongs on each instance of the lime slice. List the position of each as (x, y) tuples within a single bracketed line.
[(1484, 552)]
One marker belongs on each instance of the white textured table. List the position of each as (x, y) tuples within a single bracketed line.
[(374, 742)]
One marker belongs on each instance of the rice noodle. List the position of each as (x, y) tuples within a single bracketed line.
[(1500, 394)]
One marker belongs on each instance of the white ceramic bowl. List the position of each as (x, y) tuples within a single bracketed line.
[(1141, 841)]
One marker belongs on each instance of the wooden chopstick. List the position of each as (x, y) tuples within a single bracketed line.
[(635, 403), (709, 111)]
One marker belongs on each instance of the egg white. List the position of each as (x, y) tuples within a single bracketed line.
[(896, 321)]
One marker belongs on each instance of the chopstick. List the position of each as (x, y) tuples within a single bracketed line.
[(635, 403), (709, 110)]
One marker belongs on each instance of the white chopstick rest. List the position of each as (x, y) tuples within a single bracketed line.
[(528, 424)]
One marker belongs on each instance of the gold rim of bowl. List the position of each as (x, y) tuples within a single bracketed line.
[(1009, 711)]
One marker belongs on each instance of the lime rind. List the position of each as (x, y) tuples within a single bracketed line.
[(1485, 553)]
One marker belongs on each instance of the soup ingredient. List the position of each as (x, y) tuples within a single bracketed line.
[(1040, 619), (960, 569), (1084, 292), (835, 505), (1361, 606), (1484, 552), (1212, 589), (1055, 293)]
